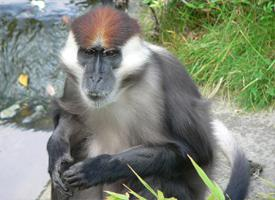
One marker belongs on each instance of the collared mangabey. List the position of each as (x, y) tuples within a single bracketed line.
[(128, 102)]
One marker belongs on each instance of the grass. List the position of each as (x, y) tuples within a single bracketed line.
[(228, 45), (267, 196), (157, 194), (216, 192)]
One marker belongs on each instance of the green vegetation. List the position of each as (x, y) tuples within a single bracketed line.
[(268, 196), (216, 192), (227, 45), (157, 194)]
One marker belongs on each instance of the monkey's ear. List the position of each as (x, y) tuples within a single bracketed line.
[(66, 20)]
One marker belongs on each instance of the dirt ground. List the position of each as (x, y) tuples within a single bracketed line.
[(255, 133)]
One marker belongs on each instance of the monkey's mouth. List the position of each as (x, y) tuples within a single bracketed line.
[(97, 96)]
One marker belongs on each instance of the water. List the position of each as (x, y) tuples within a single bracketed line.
[(30, 39)]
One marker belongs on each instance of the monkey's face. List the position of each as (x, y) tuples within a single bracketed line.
[(99, 65), (104, 54)]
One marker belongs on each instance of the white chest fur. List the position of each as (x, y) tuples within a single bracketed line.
[(135, 118)]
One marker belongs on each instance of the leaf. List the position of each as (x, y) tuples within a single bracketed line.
[(271, 91), (216, 191), (146, 185), (211, 197), (219, 191), (134, 193), (23, 79), (160, 195), (116, 196)]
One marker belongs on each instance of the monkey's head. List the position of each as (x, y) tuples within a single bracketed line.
[(104, 53)]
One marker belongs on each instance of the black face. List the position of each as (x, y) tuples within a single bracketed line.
[(99, 65)]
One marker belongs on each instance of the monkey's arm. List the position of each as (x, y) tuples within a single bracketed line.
[(161, 160), (59, 149)]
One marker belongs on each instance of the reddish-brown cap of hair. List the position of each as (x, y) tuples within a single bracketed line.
[(106, 25)]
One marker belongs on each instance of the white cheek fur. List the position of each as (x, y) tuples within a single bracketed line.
[(68, 56), (134, 55)]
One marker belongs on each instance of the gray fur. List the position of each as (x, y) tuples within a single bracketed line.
[(157, 106)]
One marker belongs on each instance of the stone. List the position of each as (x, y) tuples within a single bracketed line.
[(9, 112)]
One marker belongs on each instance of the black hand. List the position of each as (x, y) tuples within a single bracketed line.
[(59, 160), (60, 166), (146, 161), (91, 172)]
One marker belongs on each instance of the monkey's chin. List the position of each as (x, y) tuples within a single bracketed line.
[(96, 98), (99, 101)]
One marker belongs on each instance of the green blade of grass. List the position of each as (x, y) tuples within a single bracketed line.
[(134, 193), (116, 196), (161, 196), (146, 185), (214, 188)]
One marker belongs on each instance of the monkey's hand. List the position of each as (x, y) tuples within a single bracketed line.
[(56, 169), (92, 171)]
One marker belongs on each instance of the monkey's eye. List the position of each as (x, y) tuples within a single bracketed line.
[(110, 52), (88, 51)]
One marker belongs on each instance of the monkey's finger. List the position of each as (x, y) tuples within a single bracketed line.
[(73, 179), (67, 159), (61, 184), (79, 185), (68, 173), (57, 180), (75, 169), (58, 167), (67, 193)]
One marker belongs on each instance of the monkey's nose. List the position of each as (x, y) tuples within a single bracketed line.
[(96, 79)]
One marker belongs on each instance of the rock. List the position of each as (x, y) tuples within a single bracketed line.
[(46, 193), (9, 112), (39, 3), (253, 133), (38, 113), (255, 168)]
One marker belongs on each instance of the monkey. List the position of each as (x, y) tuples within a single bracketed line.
[(127, 102)]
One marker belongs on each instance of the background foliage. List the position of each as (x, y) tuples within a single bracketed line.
[(226, 45)]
